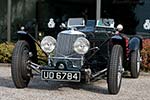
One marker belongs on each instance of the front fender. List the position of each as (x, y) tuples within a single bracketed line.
[(22, 33), (135, 43), (120, 40), (117, 39)]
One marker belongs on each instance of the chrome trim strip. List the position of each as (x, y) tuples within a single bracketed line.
[(63, 58)]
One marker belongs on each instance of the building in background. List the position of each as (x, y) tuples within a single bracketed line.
[(21, 11), (133, 14)]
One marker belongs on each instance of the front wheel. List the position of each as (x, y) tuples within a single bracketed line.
[(20, 72), (135, 63), (115, 70)]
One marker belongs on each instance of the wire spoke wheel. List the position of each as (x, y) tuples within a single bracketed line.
[(19, 68), (135, 58), (115, 70)]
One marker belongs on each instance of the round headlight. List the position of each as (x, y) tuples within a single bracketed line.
[(48, 44), (81, 45)]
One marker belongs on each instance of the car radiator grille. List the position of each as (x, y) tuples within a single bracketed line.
[(65, 43), (64, 48)]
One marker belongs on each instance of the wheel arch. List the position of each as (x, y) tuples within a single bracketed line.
[(119, 40), (135, 43), (22, 35)]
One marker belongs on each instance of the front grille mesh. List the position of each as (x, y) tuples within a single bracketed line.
[(65, 43), (64, 47)]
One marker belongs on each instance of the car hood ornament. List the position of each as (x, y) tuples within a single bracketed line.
[(51, 23)]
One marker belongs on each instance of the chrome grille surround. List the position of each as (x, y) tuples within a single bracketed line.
[(64, 48)]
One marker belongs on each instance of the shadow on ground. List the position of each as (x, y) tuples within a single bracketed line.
[(37, 83)]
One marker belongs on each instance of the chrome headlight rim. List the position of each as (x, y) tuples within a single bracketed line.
[(81, 45), (48, 44)]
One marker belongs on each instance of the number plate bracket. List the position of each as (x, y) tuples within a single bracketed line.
[(57, 75)]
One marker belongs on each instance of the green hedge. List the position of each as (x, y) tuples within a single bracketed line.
[(6, 50), (42, 59), (146, 55)]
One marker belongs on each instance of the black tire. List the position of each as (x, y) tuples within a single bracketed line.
[(115, 70), (20, 72), (135, 64)]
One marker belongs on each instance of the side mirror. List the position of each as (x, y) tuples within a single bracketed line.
[(120, 27)]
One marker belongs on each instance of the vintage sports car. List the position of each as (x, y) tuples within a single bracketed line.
[(86, 51)]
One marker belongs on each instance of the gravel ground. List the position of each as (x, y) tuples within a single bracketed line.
[(132, 89)]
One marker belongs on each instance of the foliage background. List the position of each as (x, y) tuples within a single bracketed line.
[(146, 55), (6, 50)]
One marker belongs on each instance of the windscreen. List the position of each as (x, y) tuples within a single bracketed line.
[(75, 22)]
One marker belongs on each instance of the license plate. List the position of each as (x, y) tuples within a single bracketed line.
[(61, 75)]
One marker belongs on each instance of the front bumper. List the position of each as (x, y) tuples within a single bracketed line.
[(55, 74), (83, 74)]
